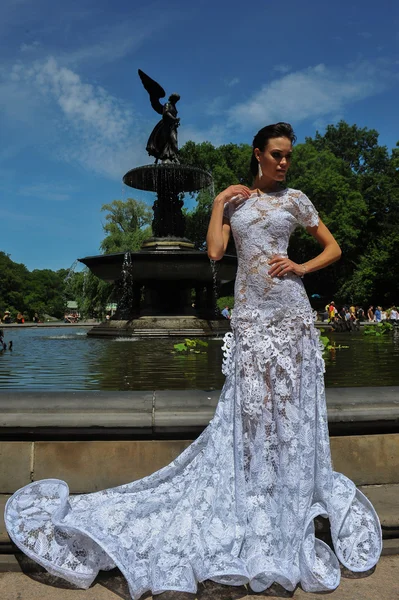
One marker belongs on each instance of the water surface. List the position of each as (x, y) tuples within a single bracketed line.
[(66, 359)]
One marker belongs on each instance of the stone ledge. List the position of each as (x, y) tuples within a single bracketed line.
[(143, 414)]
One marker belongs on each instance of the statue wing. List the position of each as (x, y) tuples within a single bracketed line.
[(155, 91)]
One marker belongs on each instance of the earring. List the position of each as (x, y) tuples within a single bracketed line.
[(260, 173)]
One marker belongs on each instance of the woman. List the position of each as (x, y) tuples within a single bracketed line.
[(238, 504)]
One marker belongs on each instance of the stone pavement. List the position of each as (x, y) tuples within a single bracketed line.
[(382, 582)]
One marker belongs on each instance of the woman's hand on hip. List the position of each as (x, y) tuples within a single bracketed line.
[(281, 265)]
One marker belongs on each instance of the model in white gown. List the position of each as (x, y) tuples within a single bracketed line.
[(237, 506)]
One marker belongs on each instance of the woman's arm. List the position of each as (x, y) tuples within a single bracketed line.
[(218, 233), (330, 254), (331, 250)]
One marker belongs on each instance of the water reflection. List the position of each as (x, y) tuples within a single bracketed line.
[(151, 364), (66, 359), (369, 360)]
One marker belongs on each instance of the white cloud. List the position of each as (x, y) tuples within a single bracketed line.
[(30, 47), (47, 191), (282, 69), (309, 94), (90, 126), (232, 82)]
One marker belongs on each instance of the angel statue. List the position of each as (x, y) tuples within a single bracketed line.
[(162, 142)]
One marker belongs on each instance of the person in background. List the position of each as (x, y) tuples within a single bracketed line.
[(384, 315), (360, 313), (36, 318), (377, 314), (225, 312), (3, 345), (7, 317), (370, 313), (393, 315), (20, 318), (348, 320), (331, 311)]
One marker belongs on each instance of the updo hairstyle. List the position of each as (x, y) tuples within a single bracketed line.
[(264, 135)]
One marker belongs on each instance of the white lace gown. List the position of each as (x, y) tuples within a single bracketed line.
[(238, 505)]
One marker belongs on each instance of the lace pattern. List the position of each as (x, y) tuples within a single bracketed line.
[(238, 505)]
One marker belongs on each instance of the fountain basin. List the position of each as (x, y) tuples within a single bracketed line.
[(165, 283), (165, 176), (163, 265)]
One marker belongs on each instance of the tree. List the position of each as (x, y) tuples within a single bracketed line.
[(228, 164), (331, 185), (376, 179), (41, 290), (91, 293), (127, 225)]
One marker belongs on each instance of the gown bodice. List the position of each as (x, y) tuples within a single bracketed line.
[(261, 227)]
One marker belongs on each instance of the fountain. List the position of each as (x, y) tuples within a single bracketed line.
[(156, 282)]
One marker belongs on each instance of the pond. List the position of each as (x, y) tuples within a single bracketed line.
[(60, 358)]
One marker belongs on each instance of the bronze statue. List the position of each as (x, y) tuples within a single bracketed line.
[(162, 143)]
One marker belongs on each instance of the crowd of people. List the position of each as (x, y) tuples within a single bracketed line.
[(19, 318), (351, 316), (72, 317), (355, 314)]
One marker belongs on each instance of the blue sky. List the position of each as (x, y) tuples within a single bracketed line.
[(74, 116)]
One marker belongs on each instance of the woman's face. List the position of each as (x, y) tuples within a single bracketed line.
[(275, 160)]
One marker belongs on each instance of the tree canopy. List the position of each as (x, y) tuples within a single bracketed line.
[(41, 290), (127, 225)]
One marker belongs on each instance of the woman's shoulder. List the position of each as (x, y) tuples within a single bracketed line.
[(294, 192)]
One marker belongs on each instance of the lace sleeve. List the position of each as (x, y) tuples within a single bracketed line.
[(306, 213)]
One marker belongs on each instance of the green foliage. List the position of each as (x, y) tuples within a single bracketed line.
[(225, 301), (378, 330), (331, 185), (328, 346), (127, 225), (191, 346), (91, 294), (28, 292), (229, 164)]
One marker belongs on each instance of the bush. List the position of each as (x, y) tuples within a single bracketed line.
[(225, 301)]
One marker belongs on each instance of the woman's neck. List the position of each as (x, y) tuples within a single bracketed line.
[(266, 186)]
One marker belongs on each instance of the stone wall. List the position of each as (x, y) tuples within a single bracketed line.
[(88, 466)]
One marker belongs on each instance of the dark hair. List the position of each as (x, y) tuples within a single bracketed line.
[(264, 135)]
